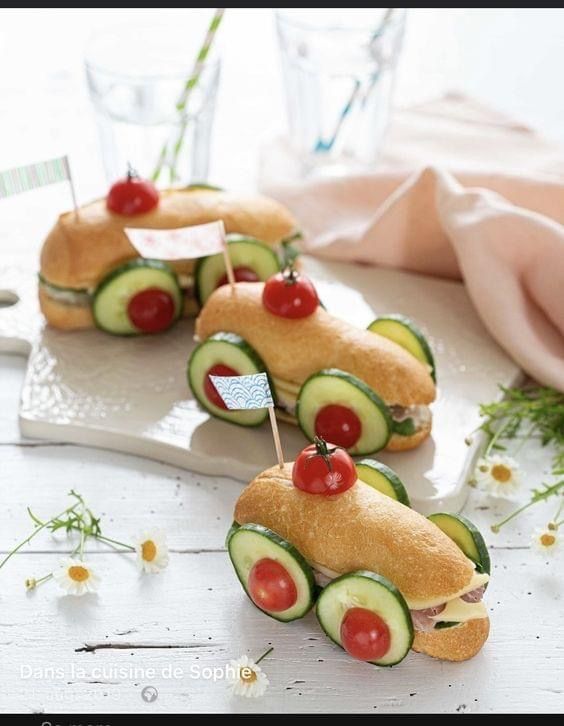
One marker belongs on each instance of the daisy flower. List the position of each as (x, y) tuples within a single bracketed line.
[(498, 475), (76, 577), (152, 551), (545, 540), (246, 678)]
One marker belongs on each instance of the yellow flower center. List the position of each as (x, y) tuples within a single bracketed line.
[(247, 675), (78, 573), (501, 473), (547, 540), (148, 550)]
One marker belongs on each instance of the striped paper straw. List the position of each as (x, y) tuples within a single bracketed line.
[(23, 178), (189, 86)]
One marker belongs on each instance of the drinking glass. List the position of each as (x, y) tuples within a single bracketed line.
[(136, 76), (338, 67)]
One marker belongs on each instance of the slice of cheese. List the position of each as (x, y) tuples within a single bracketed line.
[(459, 611), (478, 579)]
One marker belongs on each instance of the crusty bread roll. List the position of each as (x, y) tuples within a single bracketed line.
[(80, 250), (362, 529), (295, 349)]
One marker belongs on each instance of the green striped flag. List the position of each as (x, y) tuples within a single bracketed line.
[(24, 178)]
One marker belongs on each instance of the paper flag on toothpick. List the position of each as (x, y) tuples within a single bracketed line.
[(244, 392), (183, 243), (247, 392), (23, 178)]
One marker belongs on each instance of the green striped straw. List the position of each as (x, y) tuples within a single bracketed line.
[(189, 86)]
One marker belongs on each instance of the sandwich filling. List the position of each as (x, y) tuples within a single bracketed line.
[(82, 297), (431, 615), (407, 420)]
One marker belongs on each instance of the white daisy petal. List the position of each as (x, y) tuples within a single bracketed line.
[(152, 551), (247, 679), (498, 475), (76, 577), (546, 541)]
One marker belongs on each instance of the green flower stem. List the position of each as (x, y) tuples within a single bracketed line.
[(495, 438), (496, 527), (43, 579), (36, 531), (114, 542), (263, 656)]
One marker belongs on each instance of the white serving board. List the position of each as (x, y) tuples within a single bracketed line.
[(131, 395)]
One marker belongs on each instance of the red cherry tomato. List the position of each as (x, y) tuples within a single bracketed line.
[(271, 587), (132, 195), (364, 634), (290, 295), (151, 310), (338, 424), (242, 274), (210, 390), (323, 469)]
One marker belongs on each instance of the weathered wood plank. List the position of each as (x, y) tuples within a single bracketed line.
[(197, 612)]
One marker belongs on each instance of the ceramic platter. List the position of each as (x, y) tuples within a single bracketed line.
[(131, 395)]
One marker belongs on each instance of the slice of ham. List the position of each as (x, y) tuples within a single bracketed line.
[(423, 619), (474, 595)]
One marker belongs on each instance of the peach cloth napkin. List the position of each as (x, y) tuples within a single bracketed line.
[(494, 219)]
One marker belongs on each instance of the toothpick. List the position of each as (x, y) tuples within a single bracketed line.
[(227, 259), (276, 436), (71, 184)]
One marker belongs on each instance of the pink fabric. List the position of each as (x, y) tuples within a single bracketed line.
[(494, 220)]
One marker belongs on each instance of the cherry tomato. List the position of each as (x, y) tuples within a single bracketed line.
[(364, 634), (132, 195), (151, 310), (290, 295), (323, 469), (338, 424), (242, 274), (210, 390), (271, 587)]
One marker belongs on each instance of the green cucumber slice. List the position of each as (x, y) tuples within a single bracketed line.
[(446, 624), (109, 304), (382, 478), (250, 543), (373, 592), (230, 350), (243, 252), (463, 533), (333, 386), (404, 332)]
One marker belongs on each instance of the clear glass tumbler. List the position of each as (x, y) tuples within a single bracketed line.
[(339, 67), (136, 75)]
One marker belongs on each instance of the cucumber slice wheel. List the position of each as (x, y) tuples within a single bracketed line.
[(224, 354), (250, 544), (111, 298), (245, 253), (382, 478), (334, 390), (372, 592), (463, 533), (404, 332)]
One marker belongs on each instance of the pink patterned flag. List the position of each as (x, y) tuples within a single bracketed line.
[(184, 243)]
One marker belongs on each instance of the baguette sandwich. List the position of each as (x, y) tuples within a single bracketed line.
[(86, 252), (319, 362), (352, 541)]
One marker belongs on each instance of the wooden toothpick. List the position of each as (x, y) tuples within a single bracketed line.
[(227, 259), (276, 436)]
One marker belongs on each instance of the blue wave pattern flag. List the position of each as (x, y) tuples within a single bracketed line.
[(244, 392)]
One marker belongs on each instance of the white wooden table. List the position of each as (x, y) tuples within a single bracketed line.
[(96, 654)]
